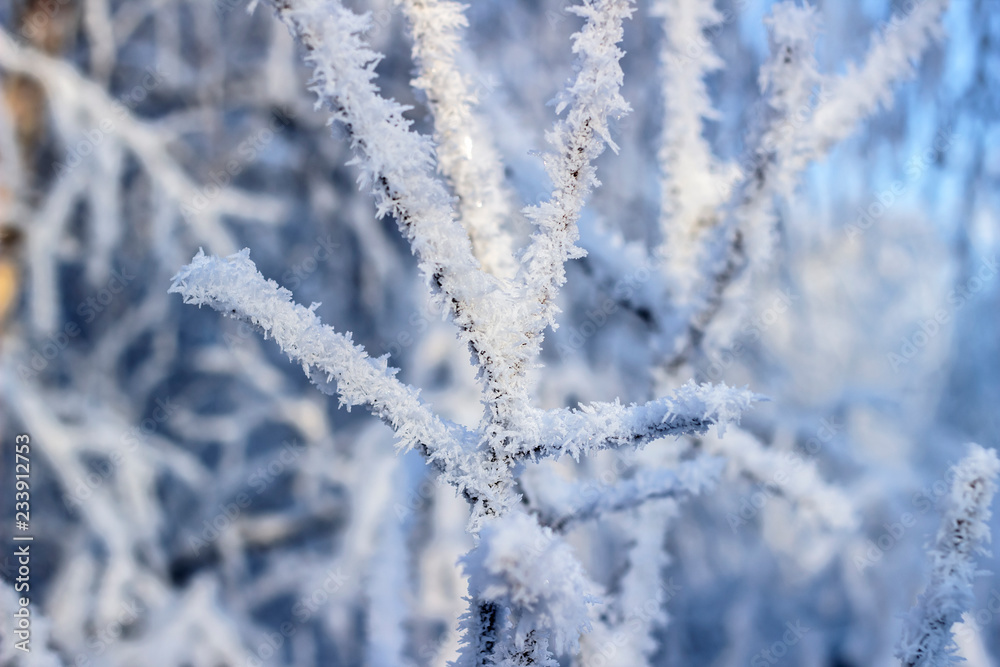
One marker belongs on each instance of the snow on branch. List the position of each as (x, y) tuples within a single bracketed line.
[(784, 473), (397, 164), (803, 127), (692, 409), (694, 183), (529, 596), (484, 475), (789, 79), (860, 91), (233, 286), (745, 242), (531, 574), (584, 501), (927, 640), (592, 99), (464, 152)]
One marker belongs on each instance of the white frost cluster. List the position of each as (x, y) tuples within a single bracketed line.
[(527, 567), (234, 287), (522, 574), (927, 639), (592, 99)]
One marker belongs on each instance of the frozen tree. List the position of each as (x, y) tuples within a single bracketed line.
[(517, 614), (799, 199)]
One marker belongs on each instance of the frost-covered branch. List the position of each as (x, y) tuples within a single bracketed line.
[(743, 244), (694, 183), (788, 80), (927, 640), (531, 593), (692, 409), (593, 99), (465, 154), (800, 131), (794, 477), (397, 164), (198, 505), (859, 92), (234, 287), (689, 479)]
